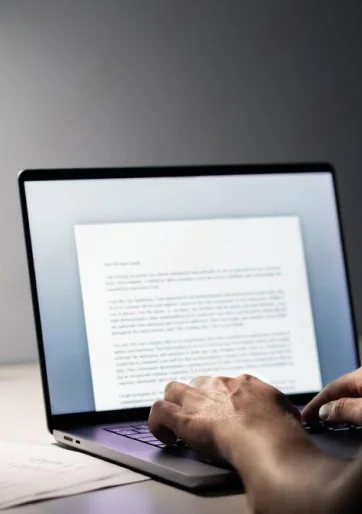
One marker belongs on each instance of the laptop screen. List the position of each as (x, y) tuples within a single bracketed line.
[(141, 281)]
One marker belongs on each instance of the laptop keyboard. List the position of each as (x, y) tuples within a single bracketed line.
[(321, 427), (140, 431)]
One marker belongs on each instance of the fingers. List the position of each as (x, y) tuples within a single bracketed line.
[(342, 410), (164, 421), (165, 415), (175, 392), (346, 386)]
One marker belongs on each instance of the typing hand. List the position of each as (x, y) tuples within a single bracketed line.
[(255, 428), (340, 401), (220, 414)]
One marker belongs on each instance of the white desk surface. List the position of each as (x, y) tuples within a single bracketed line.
[(23, 420)]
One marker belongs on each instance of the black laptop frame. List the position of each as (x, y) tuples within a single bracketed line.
[(66, 421)]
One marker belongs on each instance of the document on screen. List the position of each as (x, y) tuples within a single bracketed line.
[(172, 300)]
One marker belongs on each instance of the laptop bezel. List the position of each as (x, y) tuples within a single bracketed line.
[(64, 421)]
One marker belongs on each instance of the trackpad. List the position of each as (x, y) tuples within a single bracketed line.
[(338, 444)]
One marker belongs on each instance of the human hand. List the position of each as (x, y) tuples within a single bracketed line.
[(221, 414), (254, 427), (340, 401)]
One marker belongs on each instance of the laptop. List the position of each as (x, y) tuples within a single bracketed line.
[(140, 276)]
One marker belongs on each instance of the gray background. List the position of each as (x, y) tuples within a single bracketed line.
[(86, 83)]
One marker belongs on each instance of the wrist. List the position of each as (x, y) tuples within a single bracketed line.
[(278, 463), (243, 445)]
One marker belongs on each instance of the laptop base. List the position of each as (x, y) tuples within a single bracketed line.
[(186, 469)]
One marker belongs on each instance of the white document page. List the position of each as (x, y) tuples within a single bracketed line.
[(172, 300), (30, 472)]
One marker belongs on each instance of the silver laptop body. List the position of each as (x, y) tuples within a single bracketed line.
[(144, 275)]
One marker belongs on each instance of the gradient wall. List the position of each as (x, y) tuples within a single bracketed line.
[(132, 82)]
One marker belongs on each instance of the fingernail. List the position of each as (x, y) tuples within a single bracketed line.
[(324, 411)]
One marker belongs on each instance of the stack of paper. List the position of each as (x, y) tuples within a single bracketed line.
[(30, 472)]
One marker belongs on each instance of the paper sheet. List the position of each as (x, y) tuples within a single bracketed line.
[(30, 472)]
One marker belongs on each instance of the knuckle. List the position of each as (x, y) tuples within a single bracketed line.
[(246, 378), (160, 415), (357, 382), (157, 406), (169, 387), (339, 408)]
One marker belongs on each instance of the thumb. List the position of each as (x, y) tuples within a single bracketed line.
[(342, 410)]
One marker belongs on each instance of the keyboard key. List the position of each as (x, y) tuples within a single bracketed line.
[(158, 444), (144, 437), (122, 431), (141, 426), (341, 427), (320, 426), (141, 430)]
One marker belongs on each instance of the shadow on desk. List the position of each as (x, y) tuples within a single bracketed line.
[(219, 492), (148, 497)]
